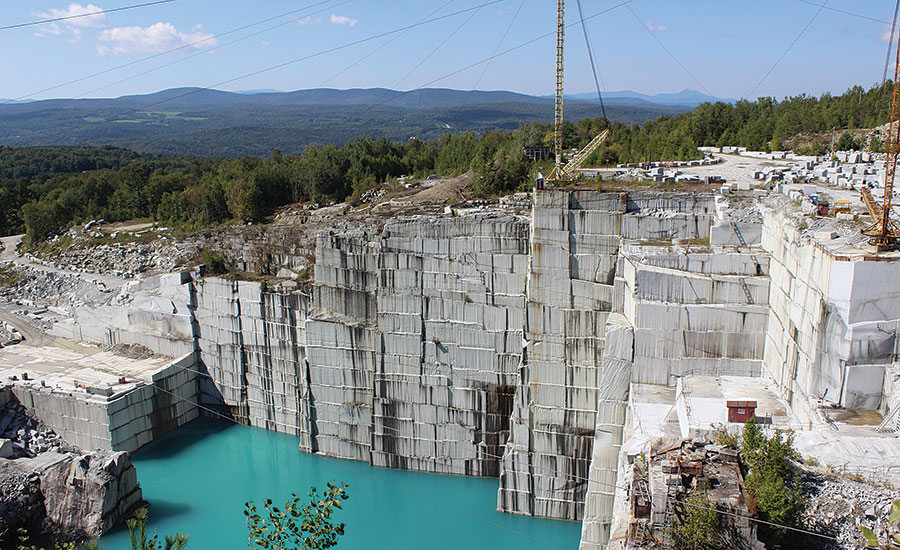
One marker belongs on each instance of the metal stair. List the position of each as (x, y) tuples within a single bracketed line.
[(888, 419), (746, 291)]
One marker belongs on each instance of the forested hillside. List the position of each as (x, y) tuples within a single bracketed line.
[(44, 189), (214, 123)]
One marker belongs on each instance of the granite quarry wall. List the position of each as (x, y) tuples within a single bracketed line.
[(497, 345), (403, 354), (833, 335), (122, 421)]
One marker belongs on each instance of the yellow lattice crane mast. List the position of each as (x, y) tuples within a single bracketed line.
[(883, 232), (557, 173), (561, 172)]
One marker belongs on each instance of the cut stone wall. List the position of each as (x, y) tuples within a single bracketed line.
[(833, 325), (695, 313), (404, 354), (572, 289), (125, 421), (154, 313), (612, 405)]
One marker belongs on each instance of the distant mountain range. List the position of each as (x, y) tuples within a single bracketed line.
[(685, 98), (217, 123)]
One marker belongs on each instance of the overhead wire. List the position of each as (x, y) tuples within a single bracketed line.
[(290, 62), (435, 50), (381, 47), (375, 37), (217, 46), (339, 462), (573, 476), (665, 49), (517, 47), (90, 14), (845, 12), (172, 50), (499, 45), (789, 48), (590, 49), (890, 46), (319, 53)]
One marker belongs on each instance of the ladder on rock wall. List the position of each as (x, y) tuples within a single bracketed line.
[(743, 241), (747, 291), (641, 535), (667, 540), (740, 236)]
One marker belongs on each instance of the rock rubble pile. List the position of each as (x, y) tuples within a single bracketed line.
[(126, 260), (23, 436), (54, 288), (838, 505)]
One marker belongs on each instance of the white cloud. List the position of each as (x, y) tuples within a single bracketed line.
[(72, 26), (74, 10), (885, 35), (264, 43), (158, 37), (343, 20), (48, 28), (656, 27), (309, 20)]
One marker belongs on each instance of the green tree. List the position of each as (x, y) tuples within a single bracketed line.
[(697, 530), (847, 142), (137, 528), (773, 481), (298, 525)]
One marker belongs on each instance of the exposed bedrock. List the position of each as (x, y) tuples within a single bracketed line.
[(403, 353), (51, 487), (497, 345), (833, 334)]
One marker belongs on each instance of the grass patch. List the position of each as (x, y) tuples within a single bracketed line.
[(46, 249), (10, 277)]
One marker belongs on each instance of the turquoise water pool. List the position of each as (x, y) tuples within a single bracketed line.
[(198, 478)]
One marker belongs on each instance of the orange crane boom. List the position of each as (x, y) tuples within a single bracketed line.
[(884, 234)]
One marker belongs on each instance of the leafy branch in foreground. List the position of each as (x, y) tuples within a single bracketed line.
[(298, 525), (893, 539)]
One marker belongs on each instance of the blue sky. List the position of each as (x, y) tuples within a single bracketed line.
[(726, 46)]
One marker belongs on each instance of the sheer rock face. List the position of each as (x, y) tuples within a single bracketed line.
[(89, 494), (404, 352), (20, 496), (72, 495)]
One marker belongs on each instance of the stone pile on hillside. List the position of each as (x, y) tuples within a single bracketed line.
[(126, 260), (52, 288)]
